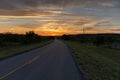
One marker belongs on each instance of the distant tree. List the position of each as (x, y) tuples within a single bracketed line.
[(99, 40), (31, 37), (1, 40), (83, 38), (66, 37), (51, 37)]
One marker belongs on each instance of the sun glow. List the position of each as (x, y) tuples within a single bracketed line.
[(46, 31)]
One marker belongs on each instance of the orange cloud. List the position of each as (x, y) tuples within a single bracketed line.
[(17, 30)]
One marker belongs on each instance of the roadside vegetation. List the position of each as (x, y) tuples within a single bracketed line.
[(98, 63), (111, 41), (14, 44), (98, 57)]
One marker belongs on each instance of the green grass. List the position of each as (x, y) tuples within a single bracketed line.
[(15, 50), (97, 63)]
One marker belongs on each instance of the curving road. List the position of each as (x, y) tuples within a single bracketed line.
[(52, 62)]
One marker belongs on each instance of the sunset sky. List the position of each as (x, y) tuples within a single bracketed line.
[(58, 17)]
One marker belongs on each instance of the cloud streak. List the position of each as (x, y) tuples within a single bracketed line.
[(56, 15), (35, 7)]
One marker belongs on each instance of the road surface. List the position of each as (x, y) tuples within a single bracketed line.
[(52, 62)]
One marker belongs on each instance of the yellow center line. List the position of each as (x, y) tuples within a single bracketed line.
[(25, 64), (11, 72), (33, 60)]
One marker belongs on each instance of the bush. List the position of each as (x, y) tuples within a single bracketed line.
[(31, 37), (99, 40), (66, 37)]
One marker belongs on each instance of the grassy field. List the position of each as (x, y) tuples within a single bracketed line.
[(18, 49), (97, 63)]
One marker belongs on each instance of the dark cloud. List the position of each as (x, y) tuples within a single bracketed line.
[(34, 3), (9, 6), (30, 26), (81, 22), (89, 28), (104, 24), (5, 5), (24, 12)]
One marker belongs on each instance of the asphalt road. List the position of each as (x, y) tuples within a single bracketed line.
[(52, 62)]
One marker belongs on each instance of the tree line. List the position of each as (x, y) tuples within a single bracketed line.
[(95, 39), (29, 37)]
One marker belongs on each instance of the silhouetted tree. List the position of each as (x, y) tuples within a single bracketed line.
[(31, 37), (99, 40), (1, 40), (66, 37)]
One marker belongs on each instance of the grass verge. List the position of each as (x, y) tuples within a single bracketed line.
[(16, 50), (97, 63)]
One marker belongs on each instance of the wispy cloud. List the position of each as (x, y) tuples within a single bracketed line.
[(35, 7), (60, 15)]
